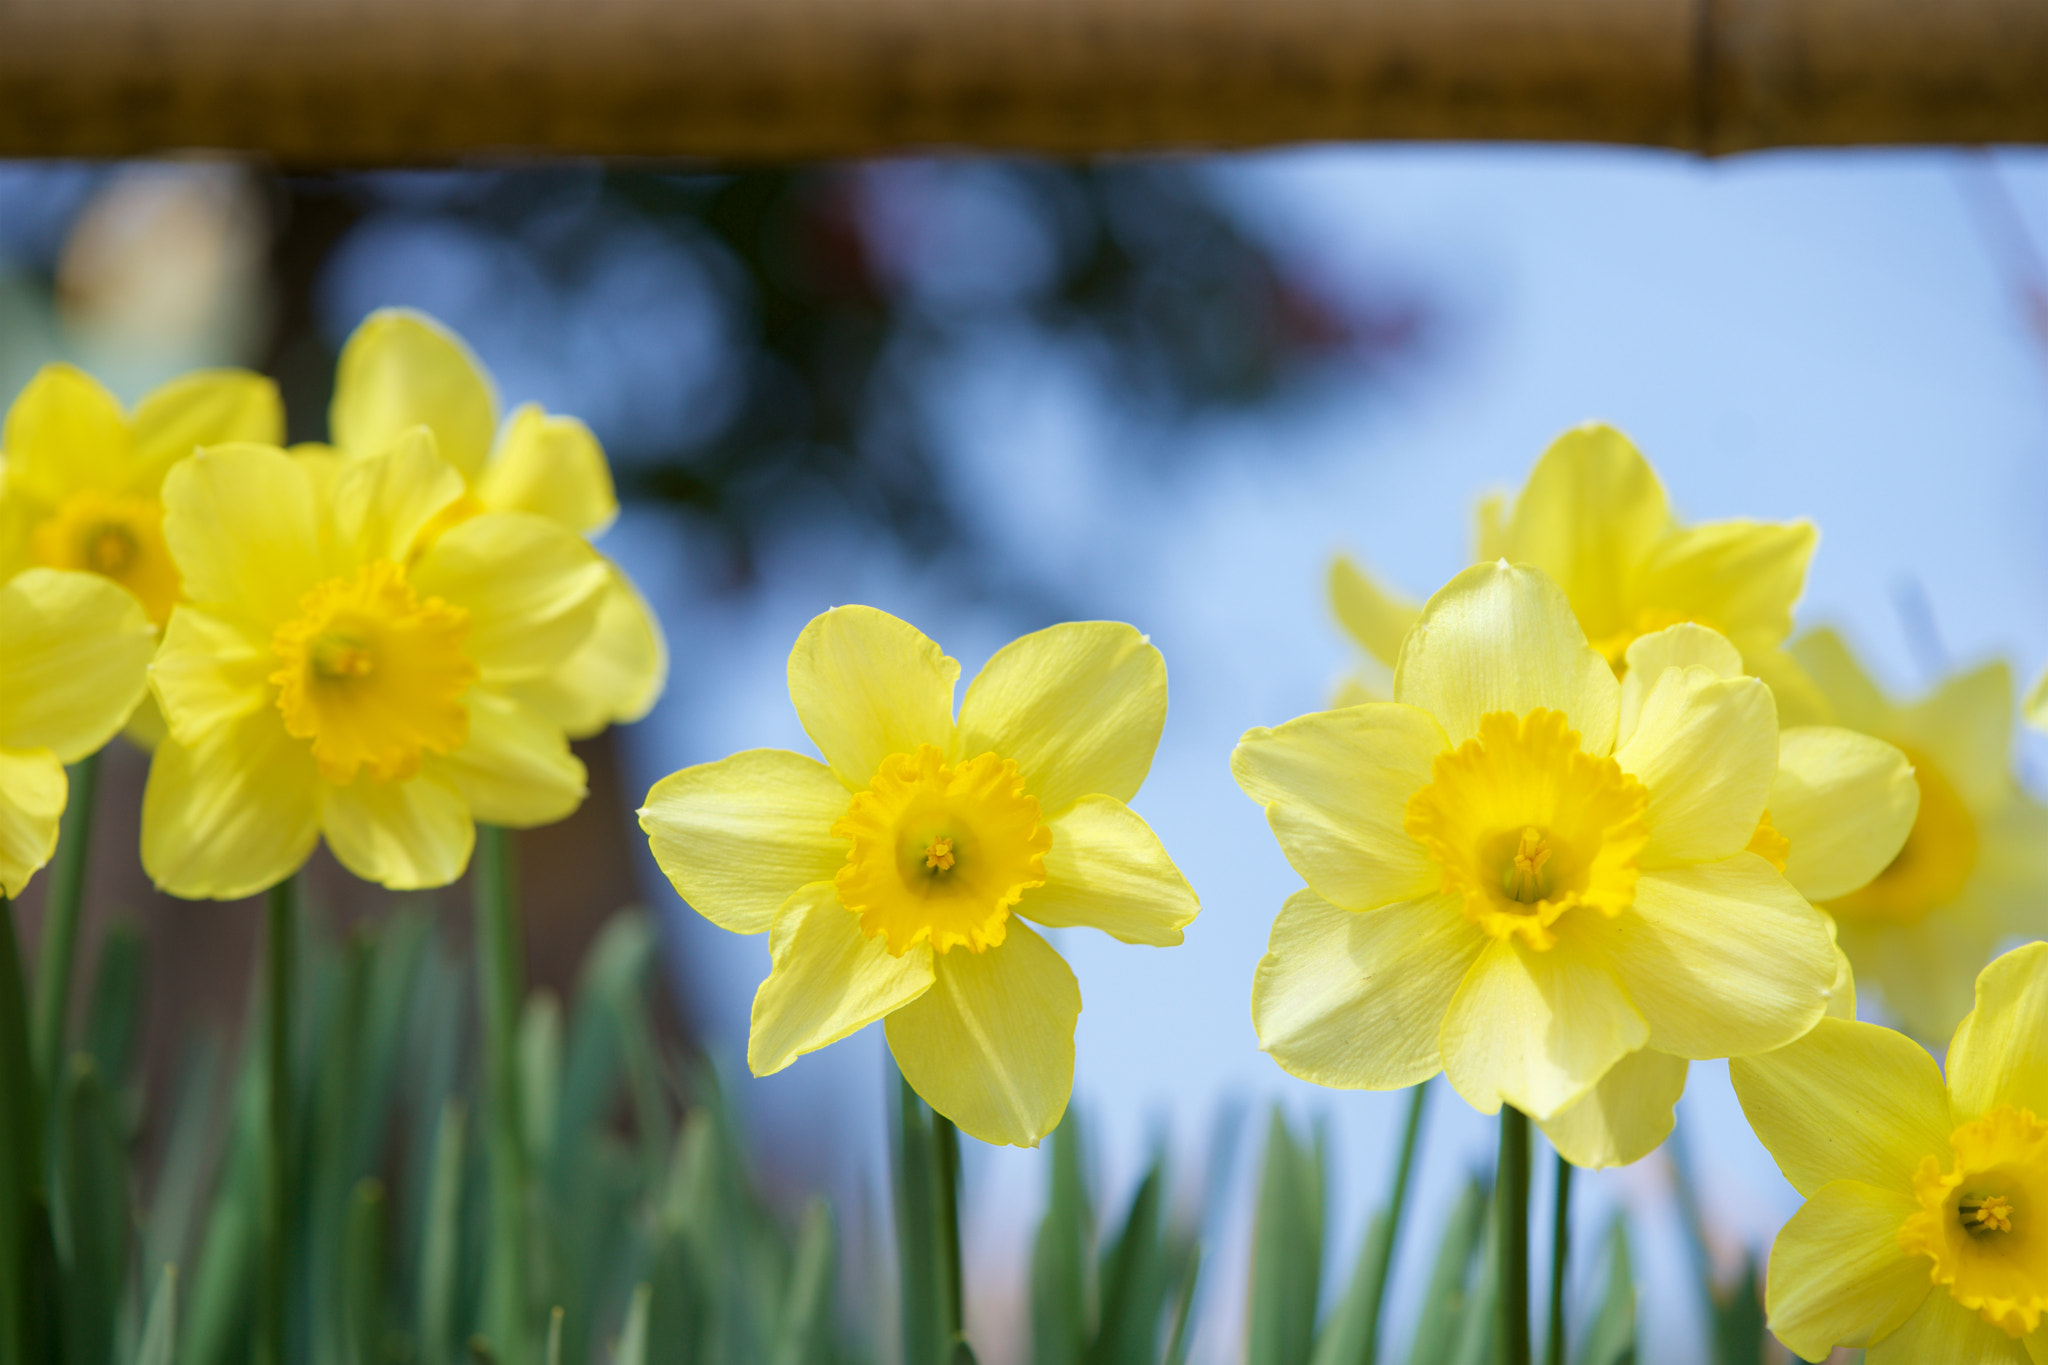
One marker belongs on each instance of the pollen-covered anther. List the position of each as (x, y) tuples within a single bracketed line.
[(938, 855), (1525, 880), (1992, 1213)]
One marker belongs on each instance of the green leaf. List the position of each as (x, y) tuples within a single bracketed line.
[(160, 1329), (633, 1341), (22, 1298), (1478, 1332), (807, 1320), (1610, 1339), (184, 1177), (1446, 1302), (918, 1254), (364, 1317), (540, 1072), (1133, 1278), (1287, 1250), (92, 1215), (1060, 1257), (554, 1351), (1191, 1278), (441, 1251), (1351, 1337), (116, 1003), (216, 1327)]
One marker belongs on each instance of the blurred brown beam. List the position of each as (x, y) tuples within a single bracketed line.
[(340, 82)]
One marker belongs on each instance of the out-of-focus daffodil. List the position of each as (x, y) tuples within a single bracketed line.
[(1924, 1236), (1593, 516), (335, 669), (74, 655), (401, 369), (1974, 870), (1839, 811), (894, 878), (1522, 870)]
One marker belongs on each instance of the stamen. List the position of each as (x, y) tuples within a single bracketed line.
[(1992, 1213), (337, 656), (1525, 879), (938, 855), (110, 549)]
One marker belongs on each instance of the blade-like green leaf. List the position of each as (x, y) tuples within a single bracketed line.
[(554, 1351), (1351, 1337), (633, 1340), (92, 1214), (1133, 1279), (364, 1316), (1184, 1307), (159, 1344), (1060, 1257), (1610, 1339), (1287, 1250), (1478, 1335), (1445, 1304), (440, 1264), (807, 1321), (115, 1008), (185, 1175)]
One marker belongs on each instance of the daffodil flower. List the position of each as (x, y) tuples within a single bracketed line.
[(335, 671), (1924, 1236), (74, 655), (1594, 516), (401, 369), (1522, 870), (895, 877), (1974, 870)]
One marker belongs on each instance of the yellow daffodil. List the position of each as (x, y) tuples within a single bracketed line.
[(336, 669), (83, 477), (1593, 516), (1924, 1236), (401, 369), (74, 655), (1974, 870), (1522, 870), (894, 878), (1839, 811)]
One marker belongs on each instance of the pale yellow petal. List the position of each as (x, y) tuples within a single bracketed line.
[(866, 686), (2000, 1053), (516, 769), (532, 591), (2012, 865), (1502, 637), (209, 671), (233, 815), (379, 505), (1925, 972), (64, 432), (1842, 995), (1853, 698), (1354, 1001), (1837, 1276), (1625, 1117), (1740, 577), (2037, 1346), (1078, 706), (242, 525), (615, 677), (2035, 707), (991, 1044), (1536, 1030), (827, 981), (1377, 619), (1707, 749), (1589, 515), (203, 408), (1722, 958), (1965, 727), (74, 660), (551, 466), (402, 369), (1490, 528), (1944, 1332), (1680, 646), (1800, 700), (1848, 1101), (1107, 870), (739, 836), (1335, 786), (1845, 801), (32, 793), (405, 836)]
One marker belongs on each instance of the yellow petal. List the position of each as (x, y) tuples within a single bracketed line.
[(1354, 1000), (1842, 995), (1944, 1332), (1377, 619), (1536, 1030), (1853, 698), (1590, 513), (551, 466), (828, 980), (1490, 528), (64, 432), (1837, 1275), (739, 836), (1846, 801), (866, 686), (991, 1044), (1722, 958), (242, 526), (1800, 700), (2037, 1346), (1078, 706), (402, 369), (1848, 1101), (406, 836), (233, 815), (1740, 577), (146, 728), (1965, 727), (1679, 646), (1503, 638), (32, 792), (532, 591), (1707, 748), (515, 769), (74, 660), (1106, 870), (1626, 1116), (379, 505), (203, 408), (1335, 786), (2035, 707), (2000, 1054), (1925, 972), (617, 674), (209, 671)]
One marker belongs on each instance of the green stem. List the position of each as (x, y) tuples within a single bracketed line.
[(1560, 1254), (501, 970), (21, 1160), (1397, 1203), (279, 930), (60, 921), (1511, 1206), (946, 1170)]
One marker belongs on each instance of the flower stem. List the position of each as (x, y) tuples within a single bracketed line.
[(21, 1160), (1511, 1207), (1560, 1254), (279, 967), (501, 970), (60, 922), (946, 1170), (1397, 1202)]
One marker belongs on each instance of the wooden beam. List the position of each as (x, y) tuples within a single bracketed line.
[(337, 82)]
